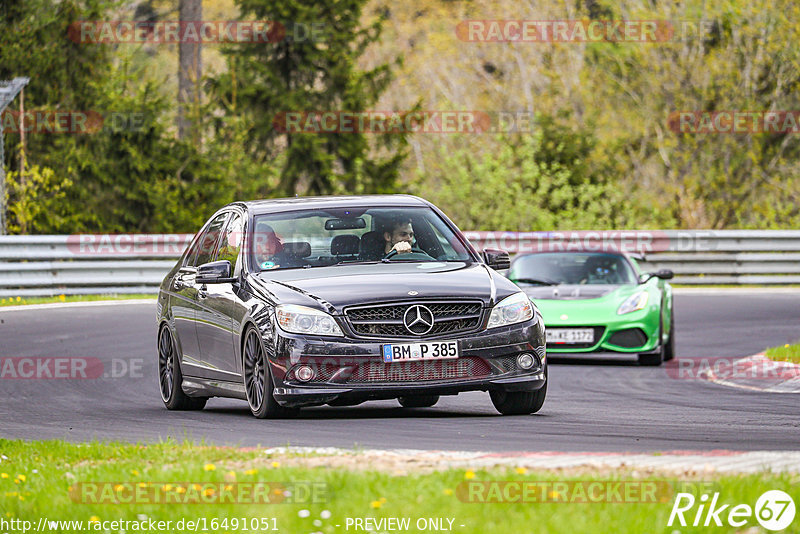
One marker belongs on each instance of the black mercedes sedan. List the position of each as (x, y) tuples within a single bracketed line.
[(299, 302)]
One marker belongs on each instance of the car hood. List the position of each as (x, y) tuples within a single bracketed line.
[(578, 310), (569, 292), (336, 287)]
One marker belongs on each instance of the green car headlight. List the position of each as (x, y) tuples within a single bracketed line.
[(302, 320), (514, 309), (633, 303)]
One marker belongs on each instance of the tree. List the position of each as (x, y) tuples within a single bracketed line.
[(312, 67), (190, 68), (127, 175), (545, 180)]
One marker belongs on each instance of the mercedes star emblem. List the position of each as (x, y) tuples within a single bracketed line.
[(418, 320)]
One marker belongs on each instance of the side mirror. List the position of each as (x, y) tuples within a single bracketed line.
[(496, 259), (216, 272), (664, 274)]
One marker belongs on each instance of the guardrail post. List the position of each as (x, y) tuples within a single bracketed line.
[(8, 91)]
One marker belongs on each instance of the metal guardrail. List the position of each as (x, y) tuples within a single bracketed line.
[(47, 265), (136, 263)]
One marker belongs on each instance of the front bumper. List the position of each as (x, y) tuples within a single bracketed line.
[(605, 331), (352, 370)]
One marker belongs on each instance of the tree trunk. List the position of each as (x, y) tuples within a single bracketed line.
[(189, 68)]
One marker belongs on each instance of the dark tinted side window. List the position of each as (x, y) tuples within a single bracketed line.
[(207, 244), (231, 242)]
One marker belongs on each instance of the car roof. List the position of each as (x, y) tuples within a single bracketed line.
[(275, 205)]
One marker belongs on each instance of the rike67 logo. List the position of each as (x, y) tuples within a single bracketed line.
[(774, 510)]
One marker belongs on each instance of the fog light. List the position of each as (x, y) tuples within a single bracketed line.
[(304, 373), (525, 360)]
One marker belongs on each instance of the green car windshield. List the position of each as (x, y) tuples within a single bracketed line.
[(554, 268)]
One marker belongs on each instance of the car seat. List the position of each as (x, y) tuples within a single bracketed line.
[(372, 246), (345, 247)]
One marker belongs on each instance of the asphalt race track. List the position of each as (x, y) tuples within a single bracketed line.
[(591, 406)]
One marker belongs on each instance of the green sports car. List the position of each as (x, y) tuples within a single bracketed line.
[(599, 304)]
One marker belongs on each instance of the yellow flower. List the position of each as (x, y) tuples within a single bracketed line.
[(382, 499), (448, 491), (142, 485), (275, 464), (554, 495), (8, 514), (209, 467), (521, 470), (94, 519), (786, 346), (119, 487), (180, 489), (228, 487), (167, 487), (62, 298), (208, 492), (232, 474), (18, 299), (134, 472), (376, 504), (21, 477), (469, 475), (197, 487), (3, 475), (251, 472), (278, 491)]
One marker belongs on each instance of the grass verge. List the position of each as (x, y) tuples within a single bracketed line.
[(96, 483), (21, 301), (786, 353)]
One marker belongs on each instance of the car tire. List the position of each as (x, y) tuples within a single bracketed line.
[(519, 402), (657, 358), (257, 378), (669, 349), (418, 401), (170, 377)]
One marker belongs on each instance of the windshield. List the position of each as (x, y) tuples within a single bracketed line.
[(321, 238), (572, 268)]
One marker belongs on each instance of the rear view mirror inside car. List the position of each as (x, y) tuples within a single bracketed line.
[(345, 224)]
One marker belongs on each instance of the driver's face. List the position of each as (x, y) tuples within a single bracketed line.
[(400, 233)]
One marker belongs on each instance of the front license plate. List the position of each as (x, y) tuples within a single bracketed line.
[(436, 350), (570, 335)]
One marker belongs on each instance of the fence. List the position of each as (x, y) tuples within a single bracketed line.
[(125, 263)]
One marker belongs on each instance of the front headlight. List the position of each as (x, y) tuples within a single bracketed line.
[(514, 309), (633, 303), (302, 320)]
